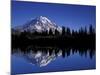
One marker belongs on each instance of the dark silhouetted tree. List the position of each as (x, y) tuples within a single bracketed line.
[(91, 30), (68, 32), (63, 30), (56, 32), (44, 33), (50, 32), (85, 31), (73, 33)]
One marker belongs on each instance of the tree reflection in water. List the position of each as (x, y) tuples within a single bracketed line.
[(65, 52)]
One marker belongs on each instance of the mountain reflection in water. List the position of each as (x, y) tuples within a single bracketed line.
[(42, 56)]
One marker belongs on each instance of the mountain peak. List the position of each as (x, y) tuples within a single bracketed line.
[(39, 24), (43, 19)]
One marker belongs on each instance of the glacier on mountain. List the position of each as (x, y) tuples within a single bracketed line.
[(38, 24)]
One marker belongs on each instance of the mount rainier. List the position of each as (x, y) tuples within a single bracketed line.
[(38, 24)]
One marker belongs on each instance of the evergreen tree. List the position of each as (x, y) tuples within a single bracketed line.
[(68, 32), (56, 32), (85, 31), (91, 30), (50, 32), (63, 30)]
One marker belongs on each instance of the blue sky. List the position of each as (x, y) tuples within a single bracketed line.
[(73, 16)]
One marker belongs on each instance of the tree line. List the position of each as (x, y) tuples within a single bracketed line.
[(66, 31), (74, 38)]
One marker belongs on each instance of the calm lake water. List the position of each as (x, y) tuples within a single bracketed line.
[(51, 59)]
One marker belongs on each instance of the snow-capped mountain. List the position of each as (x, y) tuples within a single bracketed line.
[(38, 24)]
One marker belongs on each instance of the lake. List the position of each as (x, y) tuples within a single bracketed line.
[(50, 59)]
